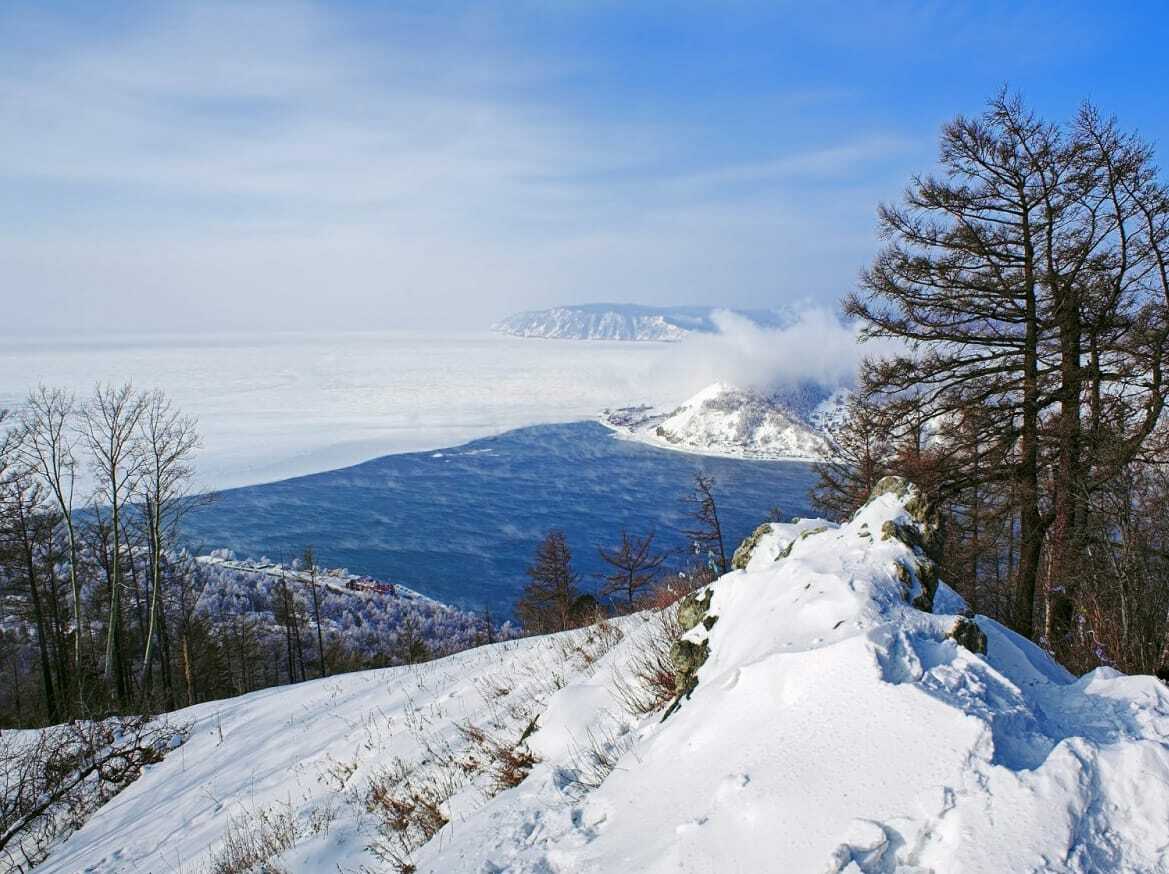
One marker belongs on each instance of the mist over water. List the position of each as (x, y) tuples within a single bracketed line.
[(279, 405), (816, 348)]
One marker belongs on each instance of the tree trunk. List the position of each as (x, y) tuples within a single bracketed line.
[(155, 587), (1030, 520), (38, 617), (1064, 531), (188, 679)]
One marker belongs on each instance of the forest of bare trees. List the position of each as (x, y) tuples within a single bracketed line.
[(103, 612), (1025, 289), (91, 495)]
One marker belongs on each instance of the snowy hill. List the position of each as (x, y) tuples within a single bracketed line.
[(839, 714), (605, 321), (725, 420)]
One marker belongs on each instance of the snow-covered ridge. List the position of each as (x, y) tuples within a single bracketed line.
[(627, 322), (844, 716), (726, 420)]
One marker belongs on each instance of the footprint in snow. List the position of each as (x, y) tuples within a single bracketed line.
[(692, 825)]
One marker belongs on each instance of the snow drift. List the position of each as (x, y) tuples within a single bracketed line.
[(839, 712)]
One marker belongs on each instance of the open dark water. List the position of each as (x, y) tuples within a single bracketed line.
[(461, 524)]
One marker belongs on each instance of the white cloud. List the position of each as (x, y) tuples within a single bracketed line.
[(818, 347), (263, 163)]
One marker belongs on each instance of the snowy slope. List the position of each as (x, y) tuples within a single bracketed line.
[(833, 727), (606, 321), (723, 420)]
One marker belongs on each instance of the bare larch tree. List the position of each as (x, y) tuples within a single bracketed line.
[(635, 567)]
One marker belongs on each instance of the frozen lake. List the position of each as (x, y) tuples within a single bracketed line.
[(461, 524), (281, 405)]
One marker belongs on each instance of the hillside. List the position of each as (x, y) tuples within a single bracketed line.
[(726, 420), (604, 321), (840, 714)]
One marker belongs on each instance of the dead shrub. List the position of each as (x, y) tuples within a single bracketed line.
[(53, 779), (253, 840), (588, 644), (409, 810), (668, 593), (509, 764), (595, 756), (648, 681)]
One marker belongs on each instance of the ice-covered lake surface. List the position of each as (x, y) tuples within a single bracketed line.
[(461, 524), (272, 406)]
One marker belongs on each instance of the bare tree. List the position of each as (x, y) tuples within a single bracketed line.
[(49, 447), (1029, 283), (21, 505), (859, 454), (635, 564), (288, 614), (309, 560), (707, 534), (167, 440), (109, 427)]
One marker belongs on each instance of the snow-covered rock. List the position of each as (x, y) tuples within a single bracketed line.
[(606, 321), (723, 420), (831, 726)]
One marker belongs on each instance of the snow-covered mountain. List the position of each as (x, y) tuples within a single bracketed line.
[(725, 420), (839, 713), (605, 321)]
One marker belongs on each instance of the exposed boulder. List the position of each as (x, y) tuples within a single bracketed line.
[(930, 532), (693, 608), (917, 572), (687, 657), (965, 632), (690, 652), (747, 547)]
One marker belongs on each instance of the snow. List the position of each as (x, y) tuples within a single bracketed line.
[(629, 322), (834, 728), (725, 420)]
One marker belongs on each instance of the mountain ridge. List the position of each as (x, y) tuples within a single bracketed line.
[(630, 322)]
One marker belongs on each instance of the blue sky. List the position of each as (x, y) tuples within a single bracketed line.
[(362, 165)]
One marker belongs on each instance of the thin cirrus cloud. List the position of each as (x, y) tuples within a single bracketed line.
[(210, 165)]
